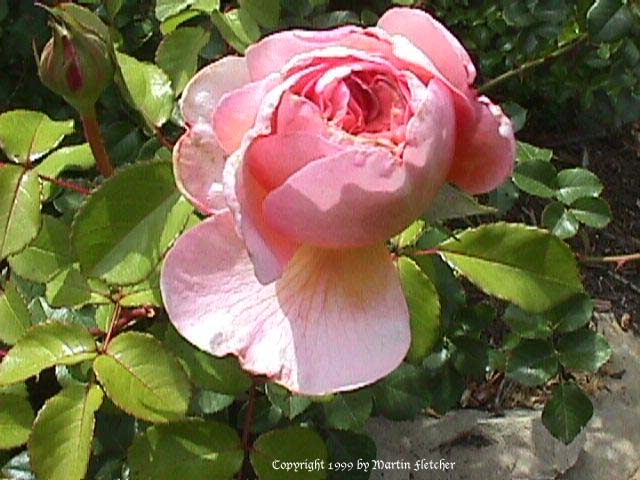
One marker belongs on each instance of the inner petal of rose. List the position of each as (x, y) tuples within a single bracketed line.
[(369, 101)]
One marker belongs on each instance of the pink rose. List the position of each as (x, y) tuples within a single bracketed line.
[(309, 153)]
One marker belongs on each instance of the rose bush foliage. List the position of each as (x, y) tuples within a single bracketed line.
[(331, 170), (329, 143)]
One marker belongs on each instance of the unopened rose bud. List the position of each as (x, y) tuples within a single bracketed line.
[(76, 64)]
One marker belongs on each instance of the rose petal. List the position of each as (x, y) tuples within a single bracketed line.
[(440, 46), (336, 321), (297, 114), (364, 195), (198, 162), (270, 251), (204, 90), (273, 52), (236, 112), (274, 158), (484, 157)]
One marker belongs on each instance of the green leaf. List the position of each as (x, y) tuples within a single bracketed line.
[(148, 87), (348, 411), (567, 412), (559, 221), (294, 444), (267, 416), (168, 8), (402, 394), (536, 177), (196, 450), (572, 314), (410, 235), (291, 405), (76, 157), (143, 379), (577, 183), (16, 417), (146, 292), (265, 12), (49, 253), (610, 20), (424, 309), (583, 350), (15, 318), (26, 136), (527, 266), (20, 217), (527, 325), (470, 356), (220, 374), (46, 345), (60, 445), (205, 402), (453, 203), (476, 318), (178, 52), (529, 153), (237, 28), (70, 289), (122, 231), (593, 212), (533, 362), (350, 447), (174, 21), (445, 387)]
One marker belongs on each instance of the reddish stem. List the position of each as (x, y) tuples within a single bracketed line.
[(66, 184), (3, 353), (428, 251), (94, 137), (619, 260)]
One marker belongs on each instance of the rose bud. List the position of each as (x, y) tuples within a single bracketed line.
[(75, 64)]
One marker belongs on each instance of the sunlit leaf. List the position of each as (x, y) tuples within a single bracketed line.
[(148, 87), (60, 445), (15, 318), (529, 267), (26, 135), (20, 218), (143, 379), (46, 345), (121, 231)]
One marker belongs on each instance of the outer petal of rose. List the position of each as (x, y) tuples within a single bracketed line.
[(203, 92), (198, 163), (236, 112), (268, 248), (366, 195), (484, 158), (273, 52), (440, 46), (337, 320)]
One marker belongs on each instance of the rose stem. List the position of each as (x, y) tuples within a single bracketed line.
[(248, 420), (66, 184), (620, 260), (532, 64), (94, 137)]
